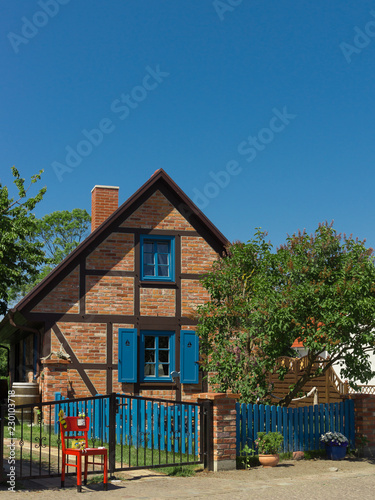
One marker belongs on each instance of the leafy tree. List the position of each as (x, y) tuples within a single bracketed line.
[(62, 231), (20, 256), (59, 233), (319, 288)]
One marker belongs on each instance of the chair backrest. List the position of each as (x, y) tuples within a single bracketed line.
[(72, 426)]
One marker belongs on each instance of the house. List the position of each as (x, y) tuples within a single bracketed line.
[(117, 315)]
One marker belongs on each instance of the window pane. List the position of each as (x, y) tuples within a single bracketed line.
[(163, 342), (149, 342), (163, 271), (163, 370), (148, 258), (163, 356), (149, 370), (162, 259), (148, 247), (149, 270), (163, 247), (150, 356)]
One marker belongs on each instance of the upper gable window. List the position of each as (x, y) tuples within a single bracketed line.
[(157, 258)]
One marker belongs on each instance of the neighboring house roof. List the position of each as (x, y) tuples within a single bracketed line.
[(161, 181), (297, 343)]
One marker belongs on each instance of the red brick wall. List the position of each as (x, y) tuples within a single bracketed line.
[(193, 294), (157, 213), (196, 255), (64, 297), (88, 340), (109, 294), (116, 253), (158, 302), (364, 416)]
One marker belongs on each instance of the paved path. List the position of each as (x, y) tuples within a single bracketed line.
[(309, 480)]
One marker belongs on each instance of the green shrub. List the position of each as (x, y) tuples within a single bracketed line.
[(269, 443)]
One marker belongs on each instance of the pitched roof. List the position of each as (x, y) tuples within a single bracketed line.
[(160, 180)]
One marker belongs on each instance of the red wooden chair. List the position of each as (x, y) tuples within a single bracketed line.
[(72, 426)]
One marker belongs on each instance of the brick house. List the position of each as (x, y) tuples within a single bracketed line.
[(118, 313)]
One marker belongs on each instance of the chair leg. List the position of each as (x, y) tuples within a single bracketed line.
[(79, 473), (105, 473), (63, 471), (85, 474)]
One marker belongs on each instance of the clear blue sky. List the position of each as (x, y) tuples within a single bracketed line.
[(187, 86)]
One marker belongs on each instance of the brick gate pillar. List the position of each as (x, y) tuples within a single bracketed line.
[(364, 417), (223, 429)]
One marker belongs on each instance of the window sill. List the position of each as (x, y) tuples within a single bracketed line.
[(157, 284)]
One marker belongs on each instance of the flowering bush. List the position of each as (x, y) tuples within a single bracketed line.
[(334, 438), (269, 443)]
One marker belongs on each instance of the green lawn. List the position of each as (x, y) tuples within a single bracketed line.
[(125, 455)]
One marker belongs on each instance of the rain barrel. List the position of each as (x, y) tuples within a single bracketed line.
[(26, 393)]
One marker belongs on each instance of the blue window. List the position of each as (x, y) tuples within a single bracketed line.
[(157, 258), (157, 355)]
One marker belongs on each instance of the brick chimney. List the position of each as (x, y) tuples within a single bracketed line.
[(104, 201)]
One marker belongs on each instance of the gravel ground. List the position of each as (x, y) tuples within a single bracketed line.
[(313, 479)]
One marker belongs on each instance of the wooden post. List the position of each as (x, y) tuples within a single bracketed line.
[(327, 386)]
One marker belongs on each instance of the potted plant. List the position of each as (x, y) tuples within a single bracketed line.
[(336, 445), (269, 444), (81, 421)]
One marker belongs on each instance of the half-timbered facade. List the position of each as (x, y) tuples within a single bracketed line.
[(117, 315)]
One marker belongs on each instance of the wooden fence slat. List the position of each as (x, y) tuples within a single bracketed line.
[(295, 426), (148, 435), (316, 428), (290, 426), (326, 417), (261, 418), (169, 429), (268, 418), (196, 420), (119, 430), (163, 437), (305, 428), (311, 426), (243, 425), (249, 426), (300, 428), (177, 426), (321, 418), (190, 429), (279, 418), (273, 418), (285, 429), (341, 418), (256, 420), (183, 429), (331, 410), (351, 434)]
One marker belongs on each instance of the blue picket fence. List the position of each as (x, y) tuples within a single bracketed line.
[(301, 427), (140, 422)]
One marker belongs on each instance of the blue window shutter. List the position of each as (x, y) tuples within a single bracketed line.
[(189, 356), (127, 355)]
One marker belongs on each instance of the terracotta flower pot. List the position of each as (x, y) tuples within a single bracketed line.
[(269, 460)]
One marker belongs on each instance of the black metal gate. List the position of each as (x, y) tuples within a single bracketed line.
[(139, 433)]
